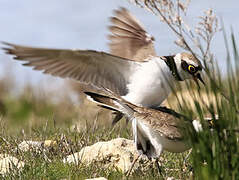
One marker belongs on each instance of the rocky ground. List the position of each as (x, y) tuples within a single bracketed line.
[(68, 157)]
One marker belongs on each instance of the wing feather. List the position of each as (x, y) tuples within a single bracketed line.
[(128, 38), (86, 66)]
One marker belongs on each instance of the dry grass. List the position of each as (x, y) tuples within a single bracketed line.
[(188, 98)]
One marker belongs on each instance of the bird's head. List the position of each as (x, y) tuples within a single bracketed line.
[(188, 67)]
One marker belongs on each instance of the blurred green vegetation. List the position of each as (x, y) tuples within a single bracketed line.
[(28, 110), (34, 107)]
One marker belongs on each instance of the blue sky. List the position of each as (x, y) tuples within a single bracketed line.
[(83, 25)]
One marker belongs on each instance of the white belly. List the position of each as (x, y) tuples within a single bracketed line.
[(160, 142), (149, 86), (174, 146)]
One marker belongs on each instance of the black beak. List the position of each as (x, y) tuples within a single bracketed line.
[(197, 77)]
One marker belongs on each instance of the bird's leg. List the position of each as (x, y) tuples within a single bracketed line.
[(186, 158), (158, 167), (185, 166), (132, 166)]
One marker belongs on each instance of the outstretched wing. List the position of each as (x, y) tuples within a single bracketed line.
[(128, 37), (90, 67)]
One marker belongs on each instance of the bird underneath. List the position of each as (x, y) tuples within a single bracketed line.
[(132, 69), (154, 130)]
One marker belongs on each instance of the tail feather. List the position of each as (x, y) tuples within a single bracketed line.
[(118, 116), (111, 102), (101, 100)]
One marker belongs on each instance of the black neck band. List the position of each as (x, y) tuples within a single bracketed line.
[(169, 60)]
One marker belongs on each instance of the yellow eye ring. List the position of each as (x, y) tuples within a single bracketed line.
[(191, 68)]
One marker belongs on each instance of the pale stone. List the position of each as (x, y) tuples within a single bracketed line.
[(170, 178), (29, 145), (49, 143), (36, 145), (99, 178), (8, 163), (118, 153)]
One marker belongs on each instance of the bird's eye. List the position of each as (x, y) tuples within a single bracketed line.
[(191, 69)]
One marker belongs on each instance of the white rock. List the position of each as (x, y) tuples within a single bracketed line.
[(170, 178), (8, 163), (99, 178), (49, 143), (29, 145), (118, 153), (36, 145)]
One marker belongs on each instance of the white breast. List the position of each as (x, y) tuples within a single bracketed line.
[(149, 85)]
